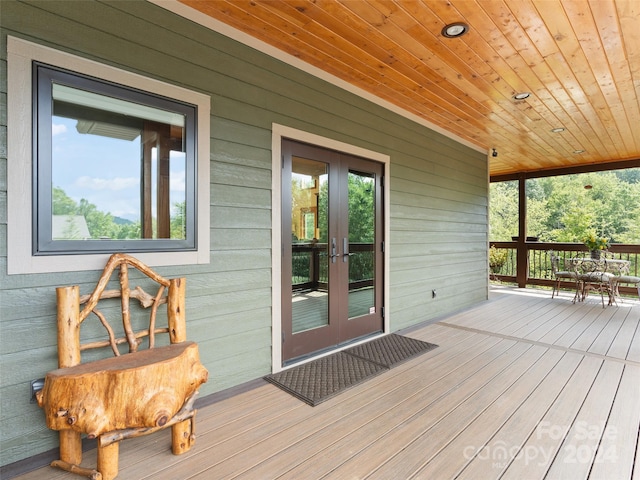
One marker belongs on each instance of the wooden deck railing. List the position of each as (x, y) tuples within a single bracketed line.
[(309, 266), (537, 268)]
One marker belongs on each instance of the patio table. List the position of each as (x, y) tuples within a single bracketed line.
[(597, 274)]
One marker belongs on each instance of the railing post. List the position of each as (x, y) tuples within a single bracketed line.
[(523, 253)]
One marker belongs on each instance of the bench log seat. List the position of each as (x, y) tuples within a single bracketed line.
[(122, 392)]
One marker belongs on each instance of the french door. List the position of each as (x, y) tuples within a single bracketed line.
[(332, 252)]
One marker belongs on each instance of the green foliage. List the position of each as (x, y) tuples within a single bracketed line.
[(62, 203), (100, 224), (323, 212), (361, 209), (593, 242), (497, 258), (560, 209), (105, 225), (503, 203), (179, 220)]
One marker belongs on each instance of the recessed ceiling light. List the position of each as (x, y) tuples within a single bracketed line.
[(522, 95), (578, 151), (454, 30), (557, 130)]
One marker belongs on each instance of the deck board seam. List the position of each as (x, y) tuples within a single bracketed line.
[(542, 344)]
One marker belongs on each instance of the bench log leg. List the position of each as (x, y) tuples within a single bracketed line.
[(182, 436), (70, 447), (108, 461)]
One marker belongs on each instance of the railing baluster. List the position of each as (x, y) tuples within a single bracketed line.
[(540, 272)]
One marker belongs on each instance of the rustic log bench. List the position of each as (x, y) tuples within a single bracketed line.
[(127, 395)]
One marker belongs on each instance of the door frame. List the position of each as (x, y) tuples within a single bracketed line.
[(278, 133)]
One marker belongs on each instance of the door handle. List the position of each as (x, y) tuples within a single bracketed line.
[(345, 249), (334, 249)]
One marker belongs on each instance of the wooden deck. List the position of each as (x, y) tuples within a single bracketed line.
[(522, 387)]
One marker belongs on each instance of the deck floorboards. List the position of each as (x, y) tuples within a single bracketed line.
[(522, 386)]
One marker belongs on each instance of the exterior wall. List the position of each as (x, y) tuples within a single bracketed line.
[(439, 194)]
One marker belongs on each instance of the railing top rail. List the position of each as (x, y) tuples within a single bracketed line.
[(578, 247)]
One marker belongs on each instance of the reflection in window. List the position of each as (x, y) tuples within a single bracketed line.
[(120, 170)]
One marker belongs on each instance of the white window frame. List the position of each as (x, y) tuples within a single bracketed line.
[(20, 260)]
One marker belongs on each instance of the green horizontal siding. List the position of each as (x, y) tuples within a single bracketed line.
[(438, 197)]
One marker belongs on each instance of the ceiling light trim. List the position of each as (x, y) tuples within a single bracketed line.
[(454, 30), (521, 95)]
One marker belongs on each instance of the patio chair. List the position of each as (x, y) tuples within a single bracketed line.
[(559, 274), (619, 270), (627, 279)]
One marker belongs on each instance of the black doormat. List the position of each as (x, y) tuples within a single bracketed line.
[(321, 379), (390, 350)]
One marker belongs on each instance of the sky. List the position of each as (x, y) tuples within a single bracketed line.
[(105, 171)]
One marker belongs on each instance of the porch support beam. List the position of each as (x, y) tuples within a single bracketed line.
[(555, 172), (522, 252)]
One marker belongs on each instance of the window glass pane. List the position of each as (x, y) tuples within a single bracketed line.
[(115, 176), (309, 249), (362, 231)]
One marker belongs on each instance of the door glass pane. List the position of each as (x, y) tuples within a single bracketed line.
[(309, 248), (361, 258)]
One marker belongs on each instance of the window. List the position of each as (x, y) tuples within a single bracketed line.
[(113, 166)]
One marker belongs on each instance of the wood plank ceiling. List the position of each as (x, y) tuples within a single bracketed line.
[(579, 60)]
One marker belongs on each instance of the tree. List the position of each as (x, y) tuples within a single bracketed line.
[(178, 220), (562, 209), (503, 216), (100, 224), (323, 212), (62, 203), (361, 209)]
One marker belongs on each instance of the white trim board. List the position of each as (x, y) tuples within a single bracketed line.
[(278, 133)]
